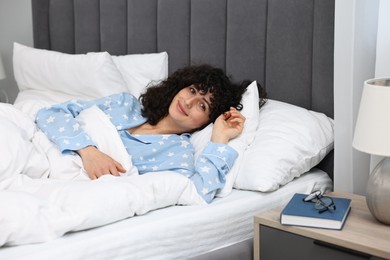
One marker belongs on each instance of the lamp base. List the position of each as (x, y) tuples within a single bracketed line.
[(378, 192)]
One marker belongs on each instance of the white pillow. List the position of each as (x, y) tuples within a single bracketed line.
[(138, 70), (250, 101), (91, 75), (290, 140)]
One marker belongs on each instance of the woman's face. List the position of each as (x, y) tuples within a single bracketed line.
[(190, 109)]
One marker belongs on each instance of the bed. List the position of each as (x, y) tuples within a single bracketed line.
[(89, 49)]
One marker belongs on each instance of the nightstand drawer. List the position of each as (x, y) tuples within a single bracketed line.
[(277, 244)]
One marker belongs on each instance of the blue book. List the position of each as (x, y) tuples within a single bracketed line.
[(297, 212)]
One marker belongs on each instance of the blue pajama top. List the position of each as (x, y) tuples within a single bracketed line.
[(149, 152)]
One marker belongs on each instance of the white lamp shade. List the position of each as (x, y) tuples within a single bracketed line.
[(372, 131), (2, 72)]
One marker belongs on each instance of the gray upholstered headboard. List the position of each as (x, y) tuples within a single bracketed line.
[(286, 45)]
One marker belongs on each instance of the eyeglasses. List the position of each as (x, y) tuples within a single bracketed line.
[(321, 203)]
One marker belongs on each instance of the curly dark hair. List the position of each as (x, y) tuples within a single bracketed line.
[(205, 78)]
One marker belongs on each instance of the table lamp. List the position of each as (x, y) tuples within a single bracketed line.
[(372, 136)]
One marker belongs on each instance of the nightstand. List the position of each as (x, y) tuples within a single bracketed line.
[(362, 237)]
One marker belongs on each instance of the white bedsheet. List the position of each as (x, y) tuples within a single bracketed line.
[(172, 233)]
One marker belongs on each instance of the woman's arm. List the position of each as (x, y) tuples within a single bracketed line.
[(59, 123), (211, 169), (217, 158), (228, 126), (97, 163)]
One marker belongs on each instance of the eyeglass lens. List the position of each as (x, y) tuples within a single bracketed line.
[(324, 204)]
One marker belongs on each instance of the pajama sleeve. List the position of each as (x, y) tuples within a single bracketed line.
[(210, 169), (59, 122)]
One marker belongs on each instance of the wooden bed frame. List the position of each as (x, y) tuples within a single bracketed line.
[(286, 45)]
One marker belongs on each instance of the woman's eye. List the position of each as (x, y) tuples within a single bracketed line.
[(193, 91), (202, 106)]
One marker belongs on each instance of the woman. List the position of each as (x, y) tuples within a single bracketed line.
[(156, 129)]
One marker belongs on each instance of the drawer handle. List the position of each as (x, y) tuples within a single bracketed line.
[(340, 248)]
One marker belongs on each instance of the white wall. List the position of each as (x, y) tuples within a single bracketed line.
[(382, 65), (355, 54), (15, 26)]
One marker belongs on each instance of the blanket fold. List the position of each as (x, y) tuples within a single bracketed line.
[(36, 208)]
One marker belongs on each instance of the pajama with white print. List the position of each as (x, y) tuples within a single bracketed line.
[(149, 153)]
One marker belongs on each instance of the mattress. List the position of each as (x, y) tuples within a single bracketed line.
[(176, 232)]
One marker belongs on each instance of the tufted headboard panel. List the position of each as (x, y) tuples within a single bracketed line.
[(286, 45), (281, 43)]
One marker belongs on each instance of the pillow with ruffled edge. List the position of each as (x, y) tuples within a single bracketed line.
[(87, 76), (250, 102), (290, 140)]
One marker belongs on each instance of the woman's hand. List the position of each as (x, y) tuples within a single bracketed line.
[(228, 126), (97, 163)]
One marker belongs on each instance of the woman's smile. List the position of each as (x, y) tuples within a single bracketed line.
[(181, 107)]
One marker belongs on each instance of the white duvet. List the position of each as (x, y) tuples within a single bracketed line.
[(44, 194)]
